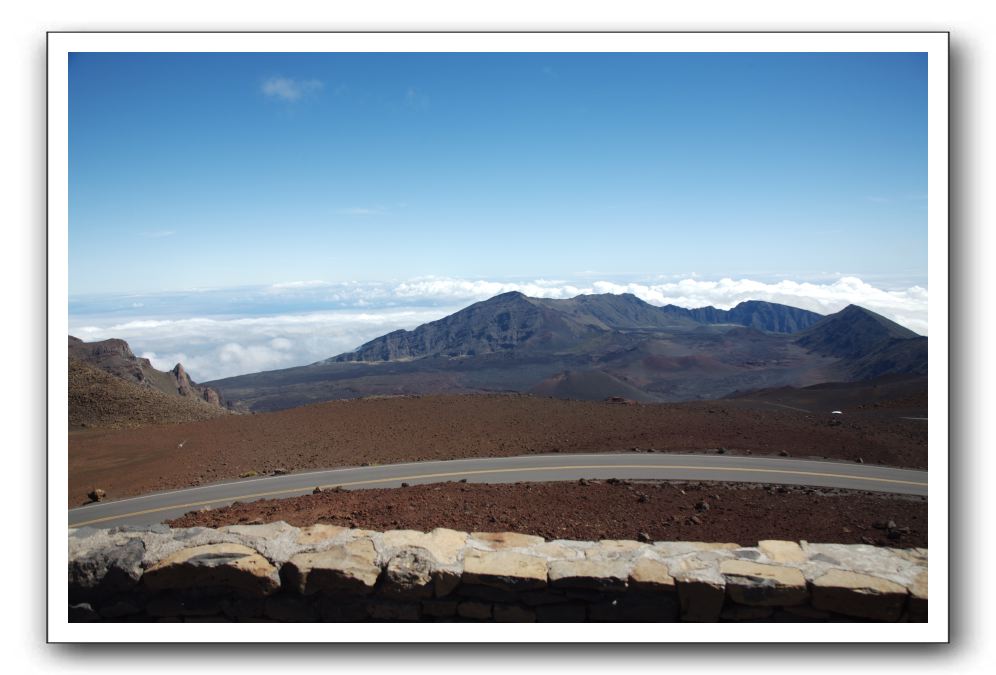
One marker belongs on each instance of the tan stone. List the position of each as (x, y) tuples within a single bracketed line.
[(316, 534), (700, 595), (509, 570), (751, 583), (651, 575), (443, 544), (594, 574), (497, 541), (918, 598), (445, 579), (346, 567), (226, 565), (858, 595), (782, 551)]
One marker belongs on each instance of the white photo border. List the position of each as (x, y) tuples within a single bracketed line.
[(61, 44)]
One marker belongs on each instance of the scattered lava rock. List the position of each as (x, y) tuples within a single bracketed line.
[(96, 495), (567, 510)]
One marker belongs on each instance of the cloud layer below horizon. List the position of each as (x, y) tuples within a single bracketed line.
[(219, 333)]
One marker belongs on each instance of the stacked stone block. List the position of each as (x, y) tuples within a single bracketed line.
[(277, 572)]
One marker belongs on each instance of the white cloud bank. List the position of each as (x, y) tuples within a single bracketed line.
[(907, 306), (299, 322)]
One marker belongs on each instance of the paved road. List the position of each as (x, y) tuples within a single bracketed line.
[(154, 508)]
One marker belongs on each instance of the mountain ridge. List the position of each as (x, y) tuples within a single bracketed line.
[(598, 346), (511, 320)]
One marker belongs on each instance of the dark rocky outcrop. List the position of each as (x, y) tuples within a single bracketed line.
[(115, 357), (98, 399)]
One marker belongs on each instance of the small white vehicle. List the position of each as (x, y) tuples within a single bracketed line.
[(836, 412)]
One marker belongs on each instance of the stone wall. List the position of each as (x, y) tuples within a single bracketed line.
[(277, 572)]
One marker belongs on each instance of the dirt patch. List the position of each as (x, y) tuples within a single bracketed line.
[(726, 512), (407, 429)]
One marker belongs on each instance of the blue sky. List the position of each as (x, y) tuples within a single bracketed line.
[(217, 170), (244, 212)]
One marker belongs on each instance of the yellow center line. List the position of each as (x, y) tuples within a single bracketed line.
[(449, 474)]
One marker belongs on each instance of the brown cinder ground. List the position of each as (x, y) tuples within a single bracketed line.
[(405, 429), (725, 512)]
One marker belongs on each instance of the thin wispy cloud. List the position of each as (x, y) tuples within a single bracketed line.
[(158, 234), (289, 89)]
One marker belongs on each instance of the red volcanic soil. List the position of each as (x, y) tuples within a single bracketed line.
[(386, 430), (725, 512)]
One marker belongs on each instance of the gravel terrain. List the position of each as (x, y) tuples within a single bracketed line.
[(129, 462), (726, 512)]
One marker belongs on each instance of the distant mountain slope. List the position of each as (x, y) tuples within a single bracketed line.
[(595, 346), (767, 316), (99, 399), (897, 357), (588, 385), (853, 332), (506, 322), (624, 312), (513, 321), (115, 357)]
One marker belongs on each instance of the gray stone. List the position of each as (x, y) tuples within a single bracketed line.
[(744, 613), (439, 608), (514, 614), (408, 575), (567, 612), (108, 566), (474, 609), (288, 608), (119, 609), (82, 612), (384, 610)]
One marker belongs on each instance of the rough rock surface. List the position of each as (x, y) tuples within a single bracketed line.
[(281, 573), (742, 513)]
